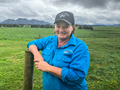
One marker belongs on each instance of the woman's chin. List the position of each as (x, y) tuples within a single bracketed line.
[(61, 36)]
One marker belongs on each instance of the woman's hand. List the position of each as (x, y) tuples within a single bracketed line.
[(42, 65)]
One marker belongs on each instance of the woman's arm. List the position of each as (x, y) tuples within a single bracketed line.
[(35, 52), (44, 66)]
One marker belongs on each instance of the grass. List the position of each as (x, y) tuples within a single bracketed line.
[(24, 33), (12, 65), (104, 48), (104, 68)]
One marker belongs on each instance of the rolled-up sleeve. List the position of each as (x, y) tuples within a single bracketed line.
[(78, 69)]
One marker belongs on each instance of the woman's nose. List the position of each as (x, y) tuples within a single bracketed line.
[(61, 28)]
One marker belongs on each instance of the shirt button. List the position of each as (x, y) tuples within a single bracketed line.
[(63, 58)]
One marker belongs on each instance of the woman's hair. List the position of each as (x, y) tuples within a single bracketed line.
[(73, 31)]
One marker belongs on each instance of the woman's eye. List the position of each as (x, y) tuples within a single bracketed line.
[(65, 26), (58, 26)]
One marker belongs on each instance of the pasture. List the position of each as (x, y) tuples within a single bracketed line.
[(103, 44)]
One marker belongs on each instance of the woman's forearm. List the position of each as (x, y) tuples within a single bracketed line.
[(43, 65), (55, 71), (33, 49)]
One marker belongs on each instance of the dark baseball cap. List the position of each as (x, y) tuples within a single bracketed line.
[(66, 16)]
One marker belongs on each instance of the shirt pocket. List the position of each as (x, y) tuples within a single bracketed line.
[(63, 60), (46, 54)]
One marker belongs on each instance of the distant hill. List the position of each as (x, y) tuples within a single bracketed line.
[(116, 25), (24, 21)]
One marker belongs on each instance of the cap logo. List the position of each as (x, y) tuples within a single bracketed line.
[(62, 15)]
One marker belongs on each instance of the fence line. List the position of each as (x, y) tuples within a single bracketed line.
[(83, 35)]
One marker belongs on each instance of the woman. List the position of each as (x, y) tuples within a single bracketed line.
[(65, 59)]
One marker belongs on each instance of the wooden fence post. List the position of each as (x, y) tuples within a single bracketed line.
[(28, 71)]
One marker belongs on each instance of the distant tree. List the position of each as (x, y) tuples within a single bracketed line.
[(4, 25), (42, 26), (21, 25), (77, 25), (15, 25), (46, 26), (35, 26), (80, 27), (51, 26), (90, 27), (9, 25), (26, 26), (85, 27)]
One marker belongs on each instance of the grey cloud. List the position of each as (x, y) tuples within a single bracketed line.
[(115, 0), (9, 1), (23, 11), (98, 17), (114, 5), (85, 3), (85, 11), (26, 9), (92, 3)]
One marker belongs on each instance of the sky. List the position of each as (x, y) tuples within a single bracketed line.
[(85, 11)]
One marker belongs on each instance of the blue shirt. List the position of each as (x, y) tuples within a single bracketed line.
[(73, 58)]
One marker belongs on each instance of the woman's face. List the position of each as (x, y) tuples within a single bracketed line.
[(63, 30)]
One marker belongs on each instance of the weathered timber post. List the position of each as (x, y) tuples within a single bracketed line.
[(28, 71)]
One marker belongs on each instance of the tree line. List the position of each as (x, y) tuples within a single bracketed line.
[(23, 25), (85, 27), (43, 26)]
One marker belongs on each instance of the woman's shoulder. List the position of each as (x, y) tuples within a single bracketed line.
[(49, 39), (80, 42)]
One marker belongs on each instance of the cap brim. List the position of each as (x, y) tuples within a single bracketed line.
[(63, 20)]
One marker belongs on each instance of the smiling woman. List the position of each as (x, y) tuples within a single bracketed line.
[(65, 59), (63, 31)]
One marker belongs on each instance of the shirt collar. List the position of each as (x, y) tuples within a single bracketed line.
[(71, 41)]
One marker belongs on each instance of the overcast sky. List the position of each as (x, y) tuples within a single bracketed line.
[(85, 11)]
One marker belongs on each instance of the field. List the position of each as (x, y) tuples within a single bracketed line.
[(103, 44)]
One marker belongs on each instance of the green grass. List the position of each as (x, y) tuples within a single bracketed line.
[(104, 68), (104, 48), (12, 66), (24, 33)]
